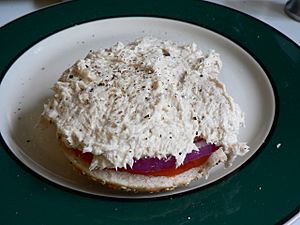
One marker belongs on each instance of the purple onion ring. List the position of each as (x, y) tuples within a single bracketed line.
[(154, 164)]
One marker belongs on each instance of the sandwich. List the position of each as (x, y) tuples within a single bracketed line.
[(146, 116)]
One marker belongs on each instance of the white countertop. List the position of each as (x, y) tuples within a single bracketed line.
[(268, 11)]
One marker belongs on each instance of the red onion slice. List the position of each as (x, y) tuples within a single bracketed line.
[(154, 164)]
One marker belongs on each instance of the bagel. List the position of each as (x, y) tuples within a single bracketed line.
[(140, 183)]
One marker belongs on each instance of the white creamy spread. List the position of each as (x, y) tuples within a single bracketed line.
[(149, 98)]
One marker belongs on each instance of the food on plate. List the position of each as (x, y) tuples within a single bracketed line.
[(150, 115)]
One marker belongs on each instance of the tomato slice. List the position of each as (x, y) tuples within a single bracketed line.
[(86, 157)]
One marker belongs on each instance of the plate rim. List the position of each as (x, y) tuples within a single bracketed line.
[(142, 196), (19, 20)]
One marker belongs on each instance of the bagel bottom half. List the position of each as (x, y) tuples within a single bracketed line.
[(141, 183)]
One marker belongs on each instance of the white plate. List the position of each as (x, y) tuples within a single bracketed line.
[(26, 86)]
